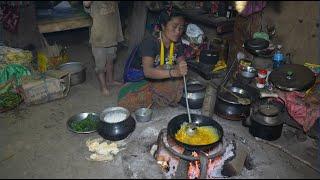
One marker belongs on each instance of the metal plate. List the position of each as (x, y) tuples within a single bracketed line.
[(80, 117), (302, 78)]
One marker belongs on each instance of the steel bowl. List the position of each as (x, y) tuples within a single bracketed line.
[(143, 114), (118, 130), (248, 72), (80, 117), (77, 71)]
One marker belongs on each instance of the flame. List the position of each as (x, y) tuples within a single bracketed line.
[(212, 164), (164, 165), (194, 168)]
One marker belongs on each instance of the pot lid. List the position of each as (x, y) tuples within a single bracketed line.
[(194, 86), (292, 77), (267, 120), (256, 44), (269, 110)]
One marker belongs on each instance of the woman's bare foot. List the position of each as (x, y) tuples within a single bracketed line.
[(105, 92), (115, 83)]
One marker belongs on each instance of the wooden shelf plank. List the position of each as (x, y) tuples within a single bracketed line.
[(48, 26)]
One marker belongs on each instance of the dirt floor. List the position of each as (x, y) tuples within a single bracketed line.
[(35, 142)]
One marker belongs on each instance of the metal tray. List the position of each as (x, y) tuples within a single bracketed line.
[(80, 117)]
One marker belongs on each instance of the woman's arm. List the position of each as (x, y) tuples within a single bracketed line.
[(151, 72), (156, 73)]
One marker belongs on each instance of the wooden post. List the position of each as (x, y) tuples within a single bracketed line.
[(28, 32), (208, 102)]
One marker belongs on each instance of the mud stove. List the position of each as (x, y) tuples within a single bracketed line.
[(178, 162)]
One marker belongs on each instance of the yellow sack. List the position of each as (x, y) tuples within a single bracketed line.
[(42, 62), (219, 66)]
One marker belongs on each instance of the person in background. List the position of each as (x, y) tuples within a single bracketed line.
[(163, 64), (105, 33)]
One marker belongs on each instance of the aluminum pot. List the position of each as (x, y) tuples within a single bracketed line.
[(77, 71), (248, 72), (196, 93), (116, 123)]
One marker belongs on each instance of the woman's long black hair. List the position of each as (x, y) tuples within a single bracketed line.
[(167, 14)]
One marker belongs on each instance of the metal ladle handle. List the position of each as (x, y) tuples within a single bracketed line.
[(186, 91)]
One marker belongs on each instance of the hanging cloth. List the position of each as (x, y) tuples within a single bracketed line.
[(9, 16), (162, 52)]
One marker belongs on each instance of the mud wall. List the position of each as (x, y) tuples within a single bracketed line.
[(297, 28)]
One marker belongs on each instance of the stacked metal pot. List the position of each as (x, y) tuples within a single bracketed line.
[(266, 120), (196, 93)]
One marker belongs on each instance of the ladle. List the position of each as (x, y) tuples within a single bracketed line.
[(191, 128), (144, 113)]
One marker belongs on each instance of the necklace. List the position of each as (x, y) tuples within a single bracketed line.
[(162, 52)]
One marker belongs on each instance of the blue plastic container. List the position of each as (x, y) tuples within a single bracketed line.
[(278, 59)]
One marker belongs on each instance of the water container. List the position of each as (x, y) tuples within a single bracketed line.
[(278, 59)]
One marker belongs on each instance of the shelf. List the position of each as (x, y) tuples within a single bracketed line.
[(53, 21)]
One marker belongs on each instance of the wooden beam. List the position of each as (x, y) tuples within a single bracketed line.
[(48, 26)]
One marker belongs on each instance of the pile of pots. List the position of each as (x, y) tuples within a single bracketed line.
[(196, 93), (228, 106), (262, 116)]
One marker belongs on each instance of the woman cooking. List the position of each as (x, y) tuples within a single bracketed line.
[(161, 59)]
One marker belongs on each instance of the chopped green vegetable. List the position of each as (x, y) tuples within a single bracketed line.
[(88, 124), (9, 100)]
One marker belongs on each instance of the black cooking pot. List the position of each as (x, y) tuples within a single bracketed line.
[(209, 57), (175, 124), (228, 107), (266, 121), (116, 129), (196, 93), (256, 44)]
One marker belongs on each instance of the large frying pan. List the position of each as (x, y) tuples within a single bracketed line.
[(199, 120)]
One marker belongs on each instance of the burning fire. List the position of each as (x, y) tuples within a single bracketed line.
[(212, 165), (169, 162), (194, 168)]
